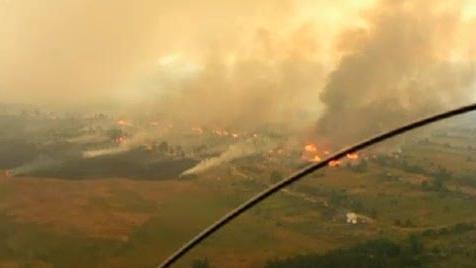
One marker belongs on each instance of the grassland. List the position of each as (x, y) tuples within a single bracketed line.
[(115, 222)]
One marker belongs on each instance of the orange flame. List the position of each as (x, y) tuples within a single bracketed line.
[(315, 159), (334, 163), (121, 140), (353, 156), (312, 148), (221, 132), (310, 153), (122, 122), (197, 130)]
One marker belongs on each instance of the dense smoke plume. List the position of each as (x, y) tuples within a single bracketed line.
[(275, 83), (413, 59)]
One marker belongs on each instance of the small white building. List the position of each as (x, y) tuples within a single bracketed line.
[(351, 217)]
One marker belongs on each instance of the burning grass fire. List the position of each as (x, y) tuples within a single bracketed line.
[(142, 144), (99, 145), (312, 154), (311, 148)]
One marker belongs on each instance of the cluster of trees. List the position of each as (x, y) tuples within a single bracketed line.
[(407, 223), (342, 199), (372, 254), (400, 163), (201, 263), (467, 179), (164, 147), (115, 133), (412, 168), (275, 176), (338, 199), (459, 228), (360, 167), (438, 183), (439, 176), (380, 253)]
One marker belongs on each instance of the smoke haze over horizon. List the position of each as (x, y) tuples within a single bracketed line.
[(243, 63)]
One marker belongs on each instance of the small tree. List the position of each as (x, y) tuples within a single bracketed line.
[(361, 167), (164, 147), (275, 176), (204, 263), (416, 246), (115, 133), (439, 183), (440, 177), (424, 185)]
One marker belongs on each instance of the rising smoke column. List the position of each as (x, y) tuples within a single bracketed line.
[(138, 139), (243, 149), (38, 164), (409, 61)]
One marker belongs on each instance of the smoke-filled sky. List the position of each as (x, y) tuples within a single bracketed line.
[(241, 62), (56, 49)]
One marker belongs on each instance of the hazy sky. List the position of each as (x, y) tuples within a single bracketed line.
[(62, 50), (66, 52)]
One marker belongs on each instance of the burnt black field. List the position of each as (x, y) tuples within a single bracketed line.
[(134, 165), (15, 152), (38, 138)]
